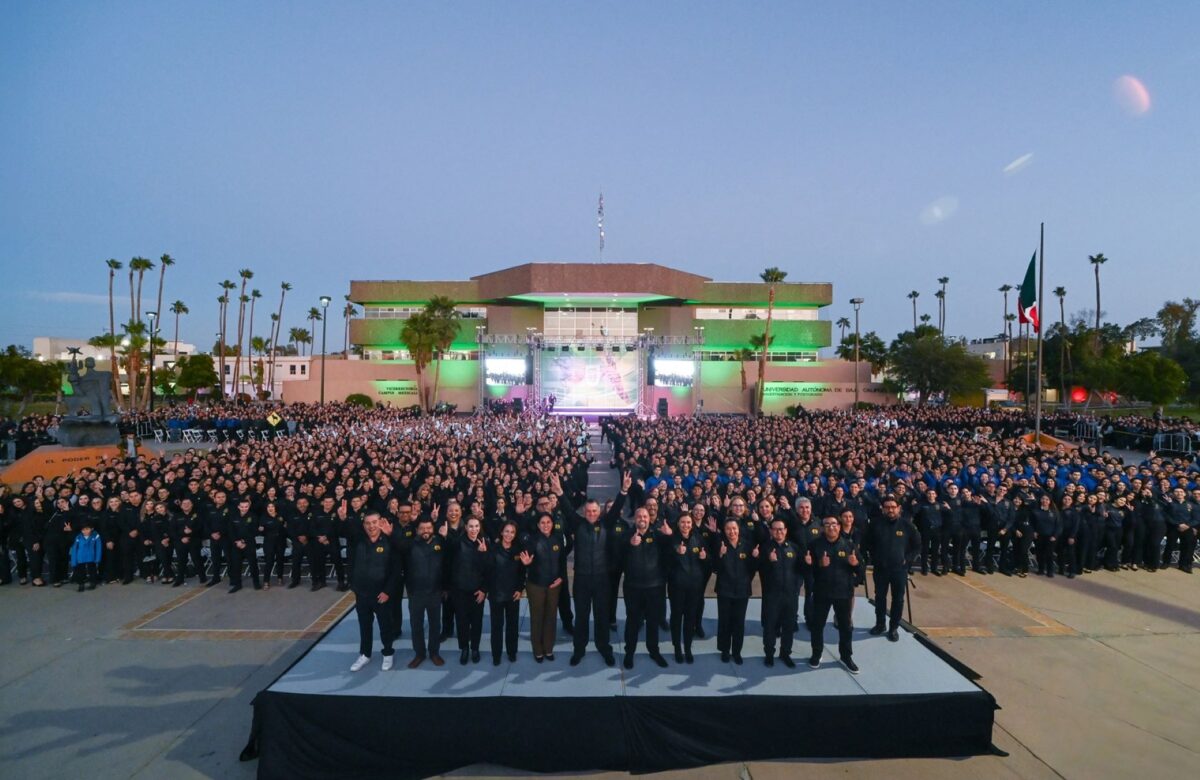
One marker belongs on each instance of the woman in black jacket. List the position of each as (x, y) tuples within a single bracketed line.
[(544, 550), (467, 588), (505, 581), (685, 585), (735, 569)]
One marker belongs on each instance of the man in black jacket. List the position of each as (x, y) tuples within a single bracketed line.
[(243, 528), (216, 528), (374, 578), (780, 566), (425, 579), (835, 561), (894, 545), (645, 584)]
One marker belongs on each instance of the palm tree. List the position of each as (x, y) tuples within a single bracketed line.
[(163, 263), (276, 324), (1061, 294), (224, 301), (1008, 321), (925, 318), (314, 316), (943, 281), (912, 296), (443, 318), (254, 296), (1097, 260), (348, 311), (258, 344), (297, 336), (743, 355), (771, 276), (141, 265), (246, 275), (419, 338), (113, 267), (843, 323), (177, 308)]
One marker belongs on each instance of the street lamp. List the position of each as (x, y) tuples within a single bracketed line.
[(152, 316), (857, 303), (325, 299)]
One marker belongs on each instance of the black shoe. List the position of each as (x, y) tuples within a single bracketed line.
[(787, 661), (462, 657), (814, 661), (235, 588), (657, 658), (769, 660), (293, 584), (687, 656), (877, 630), (549, 656), (737, 658), (678, 655), (576, 658), (91, 586), (628, 663), (539, 658), (176, 583), (512, 657), (316, 586), (474, 656), (609, 658), (209, 584), (893, 635), (495, 660), (725, 657), (700, 632), (850, 665)]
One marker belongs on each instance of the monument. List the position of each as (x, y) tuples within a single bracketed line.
[(90, 420)]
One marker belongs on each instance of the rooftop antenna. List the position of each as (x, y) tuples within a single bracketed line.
[(600, 223)]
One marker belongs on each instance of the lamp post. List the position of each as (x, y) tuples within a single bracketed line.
[(857, 303), (325, 299), (153, 317)]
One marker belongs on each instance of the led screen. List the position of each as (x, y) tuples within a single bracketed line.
[(590, 380), (504, 371)]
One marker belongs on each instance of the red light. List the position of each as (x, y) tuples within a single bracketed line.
[(1078, 394)]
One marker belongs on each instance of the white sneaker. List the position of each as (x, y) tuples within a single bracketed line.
[(387, 662), (360, 663)]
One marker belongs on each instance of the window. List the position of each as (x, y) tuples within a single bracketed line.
[(590, 323), (802, 356), (780, 313), (404, 312), (292, 369), (303, 370)]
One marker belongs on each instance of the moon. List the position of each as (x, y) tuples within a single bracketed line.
[(1131, 95)]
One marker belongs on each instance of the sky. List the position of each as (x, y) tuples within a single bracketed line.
[(873, 145)]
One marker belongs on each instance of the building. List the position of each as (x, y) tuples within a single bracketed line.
[(597, 337)]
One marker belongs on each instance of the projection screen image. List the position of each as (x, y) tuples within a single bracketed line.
[(590, 380)]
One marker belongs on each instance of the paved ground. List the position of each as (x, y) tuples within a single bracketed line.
[(1097, 677)]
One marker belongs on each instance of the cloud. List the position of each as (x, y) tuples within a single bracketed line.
[(1018, 164), (940, 210), (65, 296)]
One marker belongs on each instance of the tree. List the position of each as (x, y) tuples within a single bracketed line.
[(246, 275), (1097, 260), (872, 349), (1139, 330), (771, 276), (941, 296), (196, 372), (1148, 376), (22, 377), (134, 358), (314, 316), (912, 296), (297, 337), (1177, 322), (177, 308), (113, 267), (258, 344), (226, 286), (1061, 294), (922, 362), (419, 338), (348, 311), (843, 323), (276, 324), (743, 355), (1009, 319), (443, 322), (925, 318)]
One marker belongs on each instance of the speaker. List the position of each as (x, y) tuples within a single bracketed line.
[(518, 405), (662, 407)]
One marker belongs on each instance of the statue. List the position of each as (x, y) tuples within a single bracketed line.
[(90, 419)]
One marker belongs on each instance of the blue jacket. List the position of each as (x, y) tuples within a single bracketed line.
[(87, 549)]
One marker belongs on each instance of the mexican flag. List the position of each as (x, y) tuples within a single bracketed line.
[(1028, 310)]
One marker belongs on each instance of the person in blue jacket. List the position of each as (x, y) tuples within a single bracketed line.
[(85, 557)]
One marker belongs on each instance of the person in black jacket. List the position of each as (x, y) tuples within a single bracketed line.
[(374, 577), (594, 542), (299, 531), (835, 560), (1047, 525), (425, 578), (325, 545), (243, 528), (1153, 517), (645, 582), (60, 534), (735, 570), (543, 584), (185, 539), (781, 570), (895, 544), (929, 525), (216, 528), (274, 527), (685, 585), (32, 523), (505, 581), (467, 588), (1070, 551)]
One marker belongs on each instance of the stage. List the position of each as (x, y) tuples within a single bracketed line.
[(321, 720)]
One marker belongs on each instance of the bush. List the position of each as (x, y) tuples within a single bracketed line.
[(360, 399)]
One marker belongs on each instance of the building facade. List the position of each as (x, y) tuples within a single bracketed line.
[(595, 337)]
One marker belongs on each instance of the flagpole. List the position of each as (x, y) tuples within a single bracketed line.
[(1041, 297)]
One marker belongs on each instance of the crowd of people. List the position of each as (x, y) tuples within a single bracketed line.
[(458, 516)]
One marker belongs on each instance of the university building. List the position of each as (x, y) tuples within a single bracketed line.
[(598, 338)]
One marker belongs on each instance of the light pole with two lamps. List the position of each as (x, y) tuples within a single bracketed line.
[(153, 317), (857, 303)]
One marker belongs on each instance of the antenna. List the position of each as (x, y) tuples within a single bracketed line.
[(600, 222)]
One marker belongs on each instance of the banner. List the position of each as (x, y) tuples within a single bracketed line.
[(796, 389), (591, 380), (394, 388)]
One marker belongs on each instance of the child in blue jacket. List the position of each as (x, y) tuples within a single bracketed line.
[(85, 556)]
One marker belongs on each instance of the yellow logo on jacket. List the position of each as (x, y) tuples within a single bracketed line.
[(791, 554), (841, 553), (555, 548), (899, 533), (379, 549), (437, 548)]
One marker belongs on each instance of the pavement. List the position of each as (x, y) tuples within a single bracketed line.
[(1096, 677)]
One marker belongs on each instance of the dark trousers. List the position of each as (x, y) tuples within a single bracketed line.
[(1045, 555), (643, 605), (164, 553), (299, 551), (182, 553), (895, 581), (131, 556), (6, 577), (972, 541), (88, 572), (274, 549), (468, 616), (1001, 548), (614, 587), (841, 618), (111, 560), (954, 549), (1172, 537), (318, 560), (779, 622), (1135, 544), (1187, 548), (931, 550), (424, 607), (397, 605), (35, 561), (591, 602), (217, 553), (1111, 541), (687, 603), (369, 610), (1070, 557), (1153, 549), (565, 613), (731, 623), (336, 547), (56, 563), (505, 615), (1021, 547), (238, 556)]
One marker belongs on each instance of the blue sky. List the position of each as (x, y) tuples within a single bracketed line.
[(861, 144)]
